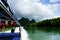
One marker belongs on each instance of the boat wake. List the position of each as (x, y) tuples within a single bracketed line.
[(24, 34)]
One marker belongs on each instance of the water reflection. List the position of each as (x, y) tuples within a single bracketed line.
[(43, 34)]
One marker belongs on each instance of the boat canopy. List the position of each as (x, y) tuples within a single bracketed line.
[(4, 14)]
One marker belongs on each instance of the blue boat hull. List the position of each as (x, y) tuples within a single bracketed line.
[(10, 36)]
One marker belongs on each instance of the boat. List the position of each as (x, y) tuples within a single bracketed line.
[(6, 15)]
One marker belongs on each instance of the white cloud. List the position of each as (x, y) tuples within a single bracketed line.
[(54, 0), (54, 7), (31, 9)]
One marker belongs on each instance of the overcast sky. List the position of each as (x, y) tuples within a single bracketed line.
[(35, 9)]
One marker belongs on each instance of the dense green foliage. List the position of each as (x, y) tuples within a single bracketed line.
[(45, 23), (50, 22), (26, 22)]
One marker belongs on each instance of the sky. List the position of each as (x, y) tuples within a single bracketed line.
[(35, 9)]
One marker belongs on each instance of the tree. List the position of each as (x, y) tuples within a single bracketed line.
[(32, 21), (24, 21)]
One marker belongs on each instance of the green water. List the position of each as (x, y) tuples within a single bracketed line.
[(36, 34)]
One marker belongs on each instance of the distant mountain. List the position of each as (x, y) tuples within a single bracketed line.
[(25, 21)]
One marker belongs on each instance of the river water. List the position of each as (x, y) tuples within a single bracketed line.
[(40, 35), (36, 34)]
